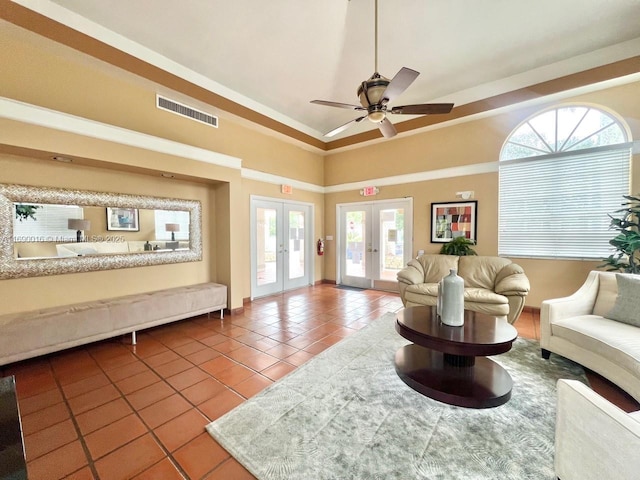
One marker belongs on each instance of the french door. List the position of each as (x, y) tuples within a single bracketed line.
[(374, 242), (281, 246)]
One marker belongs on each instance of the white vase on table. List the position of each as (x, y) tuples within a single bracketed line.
[(452, 300)]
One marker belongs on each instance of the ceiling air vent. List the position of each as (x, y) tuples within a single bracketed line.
[(179, 109)]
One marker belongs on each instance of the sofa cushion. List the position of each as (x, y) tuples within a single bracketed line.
[(422, 294), (494, 309), (607, 292), (627, 306), (36, 250), (436, 267), (480, 271), (480, 295), (616, 341), (476, 299)]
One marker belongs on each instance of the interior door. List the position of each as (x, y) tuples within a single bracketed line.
[(281, 246), (375, 242)]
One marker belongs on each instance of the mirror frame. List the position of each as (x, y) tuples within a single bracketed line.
[(11, 267)]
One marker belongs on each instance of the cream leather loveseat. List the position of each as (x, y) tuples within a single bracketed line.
[(577, 328), (492, 285)]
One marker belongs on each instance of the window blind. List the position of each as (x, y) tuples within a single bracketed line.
[(50, 224), (557, 206), (162, 217)]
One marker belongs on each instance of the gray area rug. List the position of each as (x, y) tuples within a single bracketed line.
[(345, 414)]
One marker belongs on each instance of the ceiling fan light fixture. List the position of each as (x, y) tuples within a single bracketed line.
[(376, 116)]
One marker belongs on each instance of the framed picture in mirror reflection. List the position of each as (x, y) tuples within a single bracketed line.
[(123, 219)]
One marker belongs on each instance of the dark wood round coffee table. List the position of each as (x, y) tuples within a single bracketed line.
[(449, 364)]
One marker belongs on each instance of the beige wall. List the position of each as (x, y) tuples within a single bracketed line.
[(40, 72), (465, 145), (43, 73), (42, 292)]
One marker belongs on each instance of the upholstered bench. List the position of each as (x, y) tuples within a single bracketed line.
[(30, 334)]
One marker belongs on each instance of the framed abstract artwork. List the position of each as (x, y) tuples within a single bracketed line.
[(453, 219), (125, 219)]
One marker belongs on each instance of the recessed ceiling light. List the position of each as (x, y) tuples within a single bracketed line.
[(59, 158)]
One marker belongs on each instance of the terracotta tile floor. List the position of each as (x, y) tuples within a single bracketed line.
[(110, 410)]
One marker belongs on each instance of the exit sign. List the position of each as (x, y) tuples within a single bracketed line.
[(368, 191), (288, 189)]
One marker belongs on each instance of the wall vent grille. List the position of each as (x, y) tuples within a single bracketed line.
[(184, 111)]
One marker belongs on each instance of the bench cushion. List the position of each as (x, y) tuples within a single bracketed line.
[(29, 334)]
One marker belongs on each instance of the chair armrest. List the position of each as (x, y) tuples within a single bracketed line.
[(511, 280), (594, 438), (412, 274)]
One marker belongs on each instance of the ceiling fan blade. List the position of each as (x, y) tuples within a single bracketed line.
[(342, 128), (387, 128), (423, 109), (399, 83), (338, 104)]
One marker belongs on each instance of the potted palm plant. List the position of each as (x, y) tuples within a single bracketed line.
[(627, 241), (460, 246), (24, 212)]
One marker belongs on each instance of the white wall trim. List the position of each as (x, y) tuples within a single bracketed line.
[(259, 176), (35, 115), (44, 117), (462, 171)]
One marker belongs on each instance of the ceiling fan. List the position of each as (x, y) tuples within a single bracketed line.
[(376, 93)]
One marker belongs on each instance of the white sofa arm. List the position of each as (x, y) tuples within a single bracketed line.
[(579, 303), (594, 438)]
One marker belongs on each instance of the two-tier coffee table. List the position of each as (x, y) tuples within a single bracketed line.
[(449, 364)]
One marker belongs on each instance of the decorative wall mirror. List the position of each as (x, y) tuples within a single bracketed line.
[(51, 231)]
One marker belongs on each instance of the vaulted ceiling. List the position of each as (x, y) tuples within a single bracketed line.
[(266, 60)]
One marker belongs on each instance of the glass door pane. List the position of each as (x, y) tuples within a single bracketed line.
[(355, 245), (356, 223), (391, 243), (297, 250), (266, 246)]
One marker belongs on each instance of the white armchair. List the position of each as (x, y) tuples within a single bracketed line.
[(595, 439)]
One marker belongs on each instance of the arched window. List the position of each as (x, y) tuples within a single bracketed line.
[(561, 173)]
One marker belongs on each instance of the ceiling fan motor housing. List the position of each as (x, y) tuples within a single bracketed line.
[(370, 93)]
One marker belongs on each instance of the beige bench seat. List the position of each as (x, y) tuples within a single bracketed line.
[(30, 334)]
